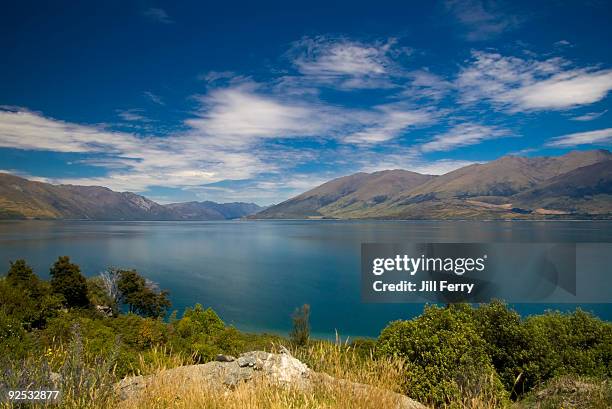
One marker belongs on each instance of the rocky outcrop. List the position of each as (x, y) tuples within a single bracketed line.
[(226, 372)]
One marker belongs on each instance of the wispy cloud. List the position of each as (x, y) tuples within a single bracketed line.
[(158, 15), (345, 63), (238, 115), (518, 84), (236, 133), (388, 123), (133, 162), (132, 115), (425, 84), (562, 44), (599, 137), (481, 19), (156, 99), (589, 116), (463, 135)]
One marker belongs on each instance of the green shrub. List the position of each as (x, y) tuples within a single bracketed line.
[(202, 333), (446, 358), (558, 344), (507, 342), (300, 332)]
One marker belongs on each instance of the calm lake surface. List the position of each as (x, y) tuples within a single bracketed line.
[(254, 273)]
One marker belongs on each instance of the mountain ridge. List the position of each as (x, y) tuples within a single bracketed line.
[(21, 198), (490, 190)]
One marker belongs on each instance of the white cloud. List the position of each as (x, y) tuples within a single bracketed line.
[(28, 130), (133, 162), (517, 84), (563, 90), (482, 19), (132, 115), (463, 135), (563, 43), (407, 159), (158, 15), (345, 63), (237, 133), (239, 114), (589, 116), (236, 116), (425, 84), (599, 137), (156, 99), (391, 120)]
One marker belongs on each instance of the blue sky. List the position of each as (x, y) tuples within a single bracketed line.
[(260, 101)]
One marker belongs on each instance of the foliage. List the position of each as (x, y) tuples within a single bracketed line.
[(460, 350), (98, 294), (455, 356), (26, 298), (446, 359), (204, 334), (21, 275), (300, 333), (67, 280), (141, 297), (507, 342), (559, 344), (84, 380)]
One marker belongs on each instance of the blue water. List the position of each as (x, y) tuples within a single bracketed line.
[(254, 273)]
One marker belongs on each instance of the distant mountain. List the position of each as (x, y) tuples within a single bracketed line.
[(346, 195), (21, 198), (576, 184), (212, 210)]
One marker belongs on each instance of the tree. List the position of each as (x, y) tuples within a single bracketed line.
[(300, 333), (21, 275), (25, 297), (141, 296), (67, 280)]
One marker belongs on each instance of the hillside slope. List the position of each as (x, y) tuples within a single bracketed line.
[(21, 199), (510, 187), (347, 194)]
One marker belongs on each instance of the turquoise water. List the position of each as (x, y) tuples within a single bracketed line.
[(254, 273)]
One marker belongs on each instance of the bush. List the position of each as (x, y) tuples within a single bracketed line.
[(300, 333), (31, 308), (446, 358), (201, 332), (559, 344), (507, 342)]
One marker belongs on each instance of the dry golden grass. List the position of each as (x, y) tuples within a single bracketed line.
[(258, 393), (338, 360), (342, 361)]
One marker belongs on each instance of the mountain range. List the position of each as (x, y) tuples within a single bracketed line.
[(575, 185), (24, 199)]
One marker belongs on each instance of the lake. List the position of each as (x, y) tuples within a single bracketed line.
[(255, 273)]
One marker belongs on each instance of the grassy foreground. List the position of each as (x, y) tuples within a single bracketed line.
[(92, 386), (90, 335)]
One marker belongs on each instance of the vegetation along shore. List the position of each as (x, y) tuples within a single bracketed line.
[(87, 334)]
